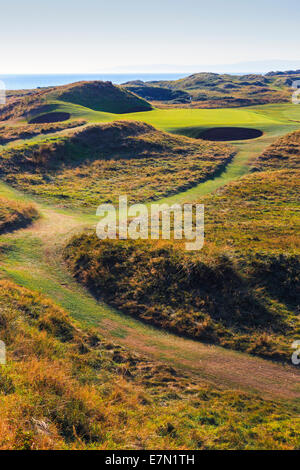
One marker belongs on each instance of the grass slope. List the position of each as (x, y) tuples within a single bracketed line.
[(190, 122), (12, 133), (240, 291), (283, 153), (67, 388), (100, 96), (14, 215), (75, 390), (157, 93), (270, 119), (97, 95), (96, 164), (32, 258), (212, 90)]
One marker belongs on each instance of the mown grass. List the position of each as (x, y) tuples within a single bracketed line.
[(240, 291), (98, 163), (14, 215), (68, 388)]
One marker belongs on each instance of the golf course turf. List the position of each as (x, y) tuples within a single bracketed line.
[(55, 314)]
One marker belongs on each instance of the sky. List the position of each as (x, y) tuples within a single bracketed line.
[(91, 36)]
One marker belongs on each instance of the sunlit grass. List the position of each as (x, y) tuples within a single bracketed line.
[(67, 388)]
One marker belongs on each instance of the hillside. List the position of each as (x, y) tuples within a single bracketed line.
[(101, 96), (283, 153), (97, 163), (24, 105), (69, 384), (14, 215), (212, 90), (68, 388), (157, 93), (239, 291), (21, 132), (97, 95)]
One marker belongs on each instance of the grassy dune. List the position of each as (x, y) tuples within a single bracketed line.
[(67, 388), (212, 90), (283, 153), (240, 291), (12, 133), (98, 96), (14, 215), (259, 212), (98, 163)]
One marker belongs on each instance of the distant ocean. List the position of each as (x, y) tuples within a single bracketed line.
[(20, 82)]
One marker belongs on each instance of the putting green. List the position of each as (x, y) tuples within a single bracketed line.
[(173, 119), (191, 122)]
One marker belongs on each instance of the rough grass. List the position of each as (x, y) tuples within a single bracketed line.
[(14, 215), (10, 134), (156, 93), (98, 163), (283, 153), (240, 291), (97, 95), (65, 388), (259, 212), (20, 106), (101, 96), (212, 90)]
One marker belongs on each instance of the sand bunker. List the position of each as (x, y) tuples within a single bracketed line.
[(230, 133), (50, 117)]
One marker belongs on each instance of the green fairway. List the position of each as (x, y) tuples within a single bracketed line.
[(247, 151), (273, 120), (264, 117), (172, 119)]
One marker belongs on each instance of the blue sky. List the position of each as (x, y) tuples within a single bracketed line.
[(70, 36)]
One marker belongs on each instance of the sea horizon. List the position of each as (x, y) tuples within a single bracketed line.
[(32, 81)]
